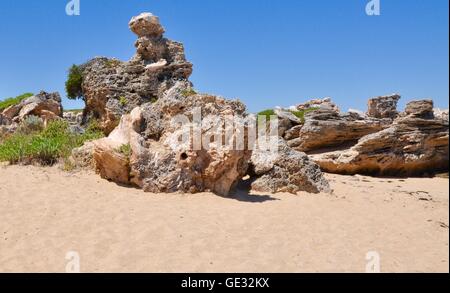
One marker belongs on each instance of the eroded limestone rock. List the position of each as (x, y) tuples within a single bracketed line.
[(415, 144), (383, 107), (112, 88), (286, 171)]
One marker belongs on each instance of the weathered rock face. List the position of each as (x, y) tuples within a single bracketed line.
[(286, 171), (146, 25), (326, 128), (383, 107), (44, 105), (414, 144), (159, 161), (112, 88), (420, 109)]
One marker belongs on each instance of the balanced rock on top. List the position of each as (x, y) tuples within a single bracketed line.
[(112, 88)]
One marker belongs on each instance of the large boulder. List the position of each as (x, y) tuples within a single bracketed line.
[(160, 161), (112, 88), (415, 144), (146, 24), (286, 170), (44, 105), (383, 107)]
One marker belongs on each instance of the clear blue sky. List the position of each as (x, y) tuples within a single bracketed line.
[(265, 52)]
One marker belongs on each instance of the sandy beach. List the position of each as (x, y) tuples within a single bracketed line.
[(46, 212)]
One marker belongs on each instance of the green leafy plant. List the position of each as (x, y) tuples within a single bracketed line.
[(123, 101), (74, 81), (13, 101), (125, 150)]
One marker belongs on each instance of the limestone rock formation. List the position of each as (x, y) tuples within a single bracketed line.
[(415, 144), (112, 88), (286, 171), (420, 109), (323, 104), (44, 105), (325, 128), (383, 107), (159, 162)]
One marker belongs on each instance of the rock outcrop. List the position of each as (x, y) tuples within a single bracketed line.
[(286, 171), (415, 144), (159, 162), (112, 88), (383, 107), (44, 105), (325, 128)]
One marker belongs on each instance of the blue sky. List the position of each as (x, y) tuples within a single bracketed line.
[(265, 52)]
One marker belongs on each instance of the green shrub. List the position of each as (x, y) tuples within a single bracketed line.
[(188, 92), (31, 124), (74, 82), (267, 113), (46, 146), (301, 113), (13, 101)]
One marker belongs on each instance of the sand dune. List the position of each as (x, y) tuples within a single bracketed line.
[(45, 212)]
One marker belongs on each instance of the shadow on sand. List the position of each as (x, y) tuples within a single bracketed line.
[(242, 193)]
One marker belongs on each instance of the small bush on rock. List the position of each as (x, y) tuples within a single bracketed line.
[(188, 92), (301, 113), (267, 113), (74, 82), (123, 101)]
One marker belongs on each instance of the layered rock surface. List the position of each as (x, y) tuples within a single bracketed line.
[(415, 144), (383, 107), (324, 127)]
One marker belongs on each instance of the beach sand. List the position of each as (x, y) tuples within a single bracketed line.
[(46, 212)]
